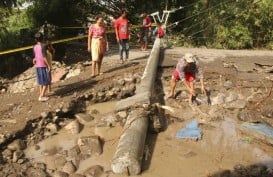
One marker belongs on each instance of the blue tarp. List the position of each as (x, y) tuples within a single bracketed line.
[(191, 131), (260, 128)]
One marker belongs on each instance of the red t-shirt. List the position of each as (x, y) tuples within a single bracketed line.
[(147, 20), (122, 25)]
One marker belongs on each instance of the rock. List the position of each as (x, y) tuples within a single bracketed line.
[(44, 114), (7, 154), (17, 155), (69, 168), (120, 82), (251, 117), (40, 166), (2, 138), (58, 75), (219, 99), (20, 161), (17, 145), (73, 127), (122, 114), (228, 84), (76, 175), (36, 172), (60, 174), (55, 162), (94, 171), (257, 170), (52, 127), (90, 145), (231, 97), (268, 112), (238, 104), (84, 118), (37, 147), (74, 152), (73, 73)]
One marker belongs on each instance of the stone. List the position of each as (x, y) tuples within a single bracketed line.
[(122, 114), (228, 84), (7, 154), (73, 127), (69, 167), (36, 172), (94, 171), (84, 118), (44, 114), (17, 144), (52, 127), (40, 166), (55, 162), (2, 138), (238, 104), (231, 97), (74, 152), (58, 75), (73, 73), (90, 145), (17, 155), (268, 112), (76, 175), (60, 174), (20, 161), (219, 99)]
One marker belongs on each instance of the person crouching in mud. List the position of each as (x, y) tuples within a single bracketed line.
[(187, 70)]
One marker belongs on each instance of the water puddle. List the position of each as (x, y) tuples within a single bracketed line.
[(58, 145)]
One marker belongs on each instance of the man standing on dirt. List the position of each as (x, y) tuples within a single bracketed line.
[(122, 30), (145, 31)]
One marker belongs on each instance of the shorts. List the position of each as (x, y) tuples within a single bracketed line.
[(42, 76), (188, 76), (144, 34)]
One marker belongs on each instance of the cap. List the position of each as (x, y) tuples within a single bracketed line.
[(189, 58)]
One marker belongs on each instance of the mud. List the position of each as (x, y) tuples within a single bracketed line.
[(235, 94)]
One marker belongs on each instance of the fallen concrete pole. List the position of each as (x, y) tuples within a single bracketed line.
[(129, 153)]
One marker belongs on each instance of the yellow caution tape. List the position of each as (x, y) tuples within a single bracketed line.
[(57, 41)]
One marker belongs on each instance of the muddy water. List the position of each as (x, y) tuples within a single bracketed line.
[(221, 147)]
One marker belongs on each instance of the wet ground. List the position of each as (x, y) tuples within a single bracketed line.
[(238, 88)]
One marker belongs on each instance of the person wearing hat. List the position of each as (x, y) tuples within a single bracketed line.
[(187, 70)]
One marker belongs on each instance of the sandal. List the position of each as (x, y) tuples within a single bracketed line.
[(43, 98)]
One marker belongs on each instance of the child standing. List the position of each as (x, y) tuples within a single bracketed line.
[(42, 66), (49, 57)]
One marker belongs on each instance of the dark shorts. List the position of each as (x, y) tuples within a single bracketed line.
[(42, 76), (188, 76), (144, 34)]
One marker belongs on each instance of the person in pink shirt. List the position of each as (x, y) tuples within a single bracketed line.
[(122, 29), (97, 43), (42, 66)]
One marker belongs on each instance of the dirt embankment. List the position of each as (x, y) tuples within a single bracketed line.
[(239, 85)]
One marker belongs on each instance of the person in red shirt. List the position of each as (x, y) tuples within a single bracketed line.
[(122, 29), (145, 30)]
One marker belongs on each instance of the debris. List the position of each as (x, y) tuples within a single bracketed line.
[(259, 131), (190, 132)]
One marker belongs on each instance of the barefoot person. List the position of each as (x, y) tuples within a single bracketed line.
[(41, 65), (50, 51), (187, 70), (97, 43)]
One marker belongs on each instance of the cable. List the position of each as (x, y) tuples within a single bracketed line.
[(219, 21), (177, 22)]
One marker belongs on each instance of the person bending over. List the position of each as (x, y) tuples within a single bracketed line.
[(187, 70)]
